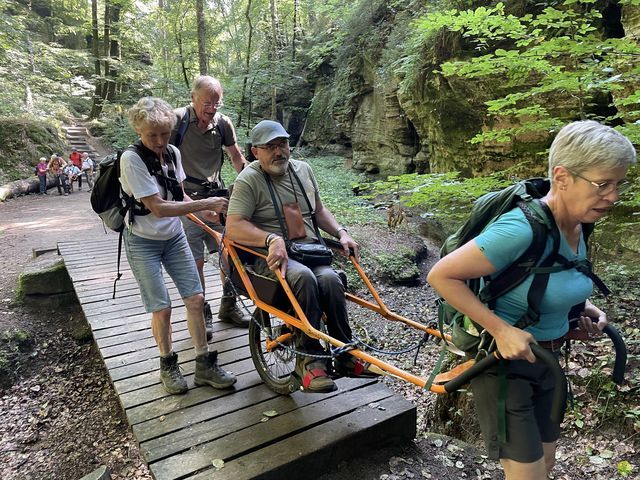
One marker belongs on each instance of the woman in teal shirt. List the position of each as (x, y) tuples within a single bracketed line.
[(588, 163)]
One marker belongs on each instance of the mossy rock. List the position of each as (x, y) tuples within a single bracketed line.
[(399, 267), (45, 276)]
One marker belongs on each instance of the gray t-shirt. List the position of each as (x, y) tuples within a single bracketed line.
[(136, 181), (251, 198), (202, 151)]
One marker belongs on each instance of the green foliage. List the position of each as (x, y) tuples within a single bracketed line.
[(335, 183), (24, 141), (553, 66), (443, 198), (398, 267)]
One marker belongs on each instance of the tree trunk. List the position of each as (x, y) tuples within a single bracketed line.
[(114, 53), (274, 57), (247, 65), (202, 38), (295, 30), (96, 107), (22, 187), (165, 49)]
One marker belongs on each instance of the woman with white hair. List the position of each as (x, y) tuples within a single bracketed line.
[(151, 172), (588, 163)]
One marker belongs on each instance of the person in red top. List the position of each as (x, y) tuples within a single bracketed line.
[(76, 159)]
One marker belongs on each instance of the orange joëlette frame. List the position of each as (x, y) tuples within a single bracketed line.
[(302, 323)]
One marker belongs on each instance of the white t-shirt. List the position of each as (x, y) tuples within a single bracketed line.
[(136, 181)]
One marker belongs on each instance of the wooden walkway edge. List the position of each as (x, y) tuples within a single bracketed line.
[(180, 436)]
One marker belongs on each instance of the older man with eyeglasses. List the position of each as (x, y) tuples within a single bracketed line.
[(201, 134)]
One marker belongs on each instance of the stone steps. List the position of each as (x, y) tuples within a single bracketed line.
[(77, 139)]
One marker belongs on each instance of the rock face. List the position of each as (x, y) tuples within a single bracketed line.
[(426, 126), (384, 139)]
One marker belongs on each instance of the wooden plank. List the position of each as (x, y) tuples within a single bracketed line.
[(156, 398), (319, 449), (146, 373), (213, 428), (225, 340), (261, 434)]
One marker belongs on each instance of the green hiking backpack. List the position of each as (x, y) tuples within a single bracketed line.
[(466, 334)]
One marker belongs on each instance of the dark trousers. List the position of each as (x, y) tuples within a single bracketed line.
[(43, 183), (318, 290), (58, 183)]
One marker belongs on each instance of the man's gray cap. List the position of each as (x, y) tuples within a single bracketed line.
[(267, 130)]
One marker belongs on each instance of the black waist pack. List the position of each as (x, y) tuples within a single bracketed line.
[(310, 254)]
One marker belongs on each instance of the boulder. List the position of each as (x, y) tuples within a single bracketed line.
[(45, 280)]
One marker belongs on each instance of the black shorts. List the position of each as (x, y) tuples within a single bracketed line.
[(530, 390)]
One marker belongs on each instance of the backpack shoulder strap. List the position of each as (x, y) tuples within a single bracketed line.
[(182, 128), (221, 129), (515, 274)]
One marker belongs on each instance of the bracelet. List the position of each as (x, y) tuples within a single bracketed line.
[(270, 238), (339, 230)]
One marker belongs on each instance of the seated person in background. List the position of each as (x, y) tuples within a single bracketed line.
[(252, 220), (73, 173), (155, 240)]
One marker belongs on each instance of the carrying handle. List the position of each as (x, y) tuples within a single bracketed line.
[(620, 348), (560, 390)]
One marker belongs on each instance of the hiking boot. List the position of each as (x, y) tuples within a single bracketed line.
[(230, 312), (209, 373), (171, 376), (312, 373), (208, 320)]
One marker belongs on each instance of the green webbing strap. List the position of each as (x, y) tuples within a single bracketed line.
[(502, 401), (436, 370)]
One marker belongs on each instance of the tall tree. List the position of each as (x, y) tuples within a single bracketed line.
[(202, 38), (275, 34), (247, 66)]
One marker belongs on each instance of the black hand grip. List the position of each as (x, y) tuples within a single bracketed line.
[(560, 390), (620, 364), (621, 353)]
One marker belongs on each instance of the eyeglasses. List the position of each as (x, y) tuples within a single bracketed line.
[(605, 188), (218, 104), (272, 147)]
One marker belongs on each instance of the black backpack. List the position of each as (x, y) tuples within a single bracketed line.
[(466, 334), (110, 201)]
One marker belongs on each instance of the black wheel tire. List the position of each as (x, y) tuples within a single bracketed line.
[(274, 367)]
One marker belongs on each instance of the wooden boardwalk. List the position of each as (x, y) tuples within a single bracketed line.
[(181, 436)]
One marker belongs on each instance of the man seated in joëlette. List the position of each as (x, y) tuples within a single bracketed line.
[(253, 221)]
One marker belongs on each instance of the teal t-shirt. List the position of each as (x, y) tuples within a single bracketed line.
[(503, 242)]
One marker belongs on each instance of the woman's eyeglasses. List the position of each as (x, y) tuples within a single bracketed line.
[(605, 188)]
